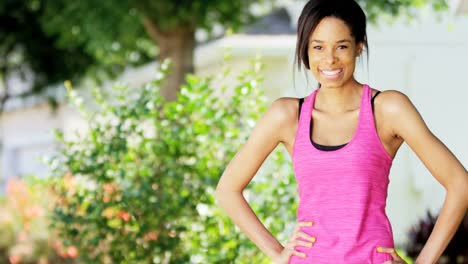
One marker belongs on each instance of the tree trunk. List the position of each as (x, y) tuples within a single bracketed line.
[(178, 45), (6, 92)]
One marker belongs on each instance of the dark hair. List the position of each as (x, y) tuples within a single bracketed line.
[(315, 10)]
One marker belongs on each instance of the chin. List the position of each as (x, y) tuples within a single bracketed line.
[(331, 84), (340, 82)]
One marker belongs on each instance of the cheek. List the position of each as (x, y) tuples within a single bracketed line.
[(349, 61), (314, 60), (348, 56)]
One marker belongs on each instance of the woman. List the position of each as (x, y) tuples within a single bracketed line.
[(342, 139)]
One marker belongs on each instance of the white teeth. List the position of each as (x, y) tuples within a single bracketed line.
[(331, 73)]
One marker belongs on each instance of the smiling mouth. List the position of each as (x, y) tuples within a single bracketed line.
[(331, 73)]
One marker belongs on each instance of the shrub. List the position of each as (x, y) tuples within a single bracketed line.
[(456, 251), (138, 186)]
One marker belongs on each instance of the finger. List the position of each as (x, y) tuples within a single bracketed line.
[(291, 238), (299, 254), (304, 243), (306, 223), (395, 256), (305, 236), (385, 250), (299, 225), (390, 251), (290, 245)]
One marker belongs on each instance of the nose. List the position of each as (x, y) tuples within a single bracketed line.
[(330, 57)]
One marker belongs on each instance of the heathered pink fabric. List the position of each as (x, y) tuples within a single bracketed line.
[(343, 192)]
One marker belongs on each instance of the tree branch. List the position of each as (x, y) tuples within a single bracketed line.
[(152, 29)]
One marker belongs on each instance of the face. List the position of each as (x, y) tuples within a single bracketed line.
[(332, 53)]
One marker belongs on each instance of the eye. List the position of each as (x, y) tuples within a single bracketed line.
[(342, 47), (317, 48)]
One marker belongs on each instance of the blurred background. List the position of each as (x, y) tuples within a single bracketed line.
[(110, 154)]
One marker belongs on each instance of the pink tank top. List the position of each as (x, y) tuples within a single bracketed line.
[(343, 192)]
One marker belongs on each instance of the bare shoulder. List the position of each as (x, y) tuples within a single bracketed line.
[(399, 113), (284, 109), (282, 114), (392, 101)]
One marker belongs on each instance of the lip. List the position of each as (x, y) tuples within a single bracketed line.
[(331, 73)]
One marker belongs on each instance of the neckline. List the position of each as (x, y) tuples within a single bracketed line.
[(356, 130), (327, 147)]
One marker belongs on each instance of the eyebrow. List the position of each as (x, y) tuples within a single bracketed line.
[(339, 41)]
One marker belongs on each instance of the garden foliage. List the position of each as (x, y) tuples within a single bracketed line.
[(137, 186), (24, 221)]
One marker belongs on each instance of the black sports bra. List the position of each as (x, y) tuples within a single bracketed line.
[(326, 147)]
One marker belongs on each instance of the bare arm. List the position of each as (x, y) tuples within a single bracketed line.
[(442, 164), (267, 134)]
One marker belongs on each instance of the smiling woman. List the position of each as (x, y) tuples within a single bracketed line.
[(342, 148), (332, 60), (330, 39)]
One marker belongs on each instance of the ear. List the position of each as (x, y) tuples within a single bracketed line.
[(359, 49)]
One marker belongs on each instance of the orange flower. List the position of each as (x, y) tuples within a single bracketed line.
[(16, 187), (22, 236), (72, 252), (57, 245), (109, 188), (124, 215), (153, 235), (33, 211), (15, 259), (106, 199), (17, 193)]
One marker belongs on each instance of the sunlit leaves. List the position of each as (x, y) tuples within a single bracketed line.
[(148, 168)]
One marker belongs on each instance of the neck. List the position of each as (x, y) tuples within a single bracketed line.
[(339, 99)]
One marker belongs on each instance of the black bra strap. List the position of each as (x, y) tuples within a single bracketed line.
[(301, 101), (372, 101)]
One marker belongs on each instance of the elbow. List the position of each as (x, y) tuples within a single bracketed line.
[(460, 190), (219, 195), (224, 195), (220, 198), (227, 190)]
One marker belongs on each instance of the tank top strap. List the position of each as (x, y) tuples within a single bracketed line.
[(367, 98), (306, 113), (367, 118)]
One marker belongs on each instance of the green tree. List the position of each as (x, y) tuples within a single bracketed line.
[(60, 40), (25, 47), (394, 8), (119, 32)]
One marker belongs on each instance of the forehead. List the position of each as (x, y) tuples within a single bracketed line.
[(331, 29)]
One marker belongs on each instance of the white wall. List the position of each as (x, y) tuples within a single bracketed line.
[(28, 136)]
